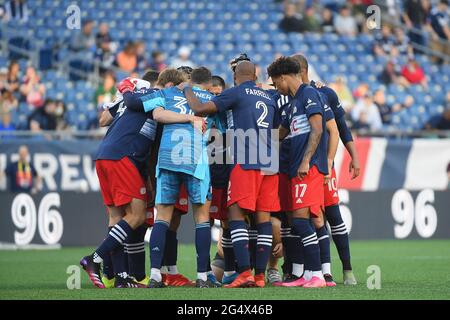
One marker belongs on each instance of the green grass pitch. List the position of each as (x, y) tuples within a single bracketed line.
[(409, 270)]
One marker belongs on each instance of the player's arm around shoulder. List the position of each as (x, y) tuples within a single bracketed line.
[(199, 108)]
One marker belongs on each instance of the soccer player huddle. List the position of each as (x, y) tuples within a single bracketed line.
[(260, 161)]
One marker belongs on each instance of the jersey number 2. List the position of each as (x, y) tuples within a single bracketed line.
[(260, 122)]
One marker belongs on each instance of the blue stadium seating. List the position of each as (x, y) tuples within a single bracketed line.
[(217, 31)]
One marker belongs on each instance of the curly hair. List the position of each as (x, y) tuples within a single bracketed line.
[(283, 66)]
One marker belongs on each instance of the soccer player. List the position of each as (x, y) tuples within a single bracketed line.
[(332, 212), (252, 186), (308, 161), (185, 162), (220, 173), (135, 266), (119, 163)]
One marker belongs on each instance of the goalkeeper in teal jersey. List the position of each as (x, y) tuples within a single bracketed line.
[(182, 159)]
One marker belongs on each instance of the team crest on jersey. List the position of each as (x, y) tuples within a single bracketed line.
[(143, 190)]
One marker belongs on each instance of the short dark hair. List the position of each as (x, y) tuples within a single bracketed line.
[(302, 61), (185, 70), (218, 81), (444, 2), (151, 76), (283, 66), (201, 75)]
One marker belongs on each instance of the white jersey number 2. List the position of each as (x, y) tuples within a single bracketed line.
[(260, 122)]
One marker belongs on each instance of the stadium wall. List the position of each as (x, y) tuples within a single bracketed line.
[(401, 194)]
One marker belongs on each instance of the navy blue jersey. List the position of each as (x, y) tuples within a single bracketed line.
[(220, 170), (305, 103), (339, 113), (251, 114), (283, 103), (131, 134), (332, 100)]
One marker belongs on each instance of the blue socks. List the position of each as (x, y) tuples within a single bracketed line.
[(136, 253), (240, 239), (115, 239), (303, 228), (263, 246), (324, 245), (157, 243), (108, 269), (171, 249), (228, 253), (202, 245), (252, 243), (340, 235)]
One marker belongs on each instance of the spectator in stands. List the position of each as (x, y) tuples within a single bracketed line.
[(327, 21), (359, 11), (60, 112), (310, 21), (385, 43), (439, 21), (291, 21), (379, 99), (3, 15), (17, 10), (361, 90), (32, 89), (22, 175), (105, 45), (183, 58), (415, 17), (406, 104), (6, 124), (414, 74), (8, 102), (43, 118), (403, 44), (13, 77), (344, 23), (142, 59), (365, 114), (106, 91), (127, 59), (158, 61), (343, 92), (439, 121), (392, 74), (85, 40)]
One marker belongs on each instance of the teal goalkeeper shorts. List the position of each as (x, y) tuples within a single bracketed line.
[(168, 187)]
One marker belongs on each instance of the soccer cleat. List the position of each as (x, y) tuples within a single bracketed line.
[(214, 282), (349, 278), (156, 284), (229, 279), (273, 277), (329, 280), (315, 282), (299, 282), (93, 270), (125, 281), (243, 280), (259, 280), (109, 283), (178, 280), (164, 278), (199, 283), (144, 281)]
